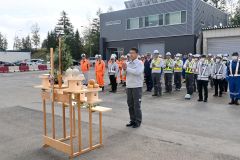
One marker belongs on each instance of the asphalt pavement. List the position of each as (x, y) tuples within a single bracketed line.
[(172, 129)]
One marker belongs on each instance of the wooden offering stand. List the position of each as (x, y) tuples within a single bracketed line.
[(71, 97)]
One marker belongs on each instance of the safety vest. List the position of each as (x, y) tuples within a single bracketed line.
[(156, 62), (168, 68), (85, 65), (189, 69), (177, 68), (236, 71)]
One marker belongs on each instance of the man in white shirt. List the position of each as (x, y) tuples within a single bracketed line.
[(134, 75)]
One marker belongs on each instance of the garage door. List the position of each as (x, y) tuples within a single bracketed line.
[(224, 45), (150, 47)]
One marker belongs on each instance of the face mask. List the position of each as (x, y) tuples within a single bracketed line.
[(235, 57), (217, 60)]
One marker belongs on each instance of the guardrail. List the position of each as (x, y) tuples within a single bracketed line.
[(11, 69)]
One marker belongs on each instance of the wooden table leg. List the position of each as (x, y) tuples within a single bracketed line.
[(90, 127), (79, 125), (44, 117), (64, 120), (100, 128), (53, 120), (71, 123), (74, 121)]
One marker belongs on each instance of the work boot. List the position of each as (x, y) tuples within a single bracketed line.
[(232, 102), (236, 102), (155, 95), (102, 89)]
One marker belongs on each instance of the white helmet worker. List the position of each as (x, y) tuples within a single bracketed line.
[(168, 54), (219, 56), (178, 55), (96, 56), (83, 55), (155, 52)]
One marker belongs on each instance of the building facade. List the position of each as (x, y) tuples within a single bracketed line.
[(167, 25), (221, 40)]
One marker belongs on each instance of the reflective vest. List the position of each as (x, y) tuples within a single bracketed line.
[(168, 63), (177, 66), (156, 62), (189, 69)]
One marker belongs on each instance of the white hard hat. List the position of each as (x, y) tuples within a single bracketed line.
[(83, 55), (96, 56), (155, 52), (113, 57), (168, 54), (210, 55), (225, 55), (219, 56), (178, 55), (190, 54), (225, 58)]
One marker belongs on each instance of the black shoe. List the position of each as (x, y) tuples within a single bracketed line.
[(154, 95), (102, 89), (205, 100), (236, 102), (232, 102), (200, 100), (215, 95), (130, 124), (136, 125), (220, 95)]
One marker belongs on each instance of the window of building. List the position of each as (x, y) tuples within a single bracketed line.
[(153, 20), (161, 19), (175, 17), (133, 23), (141, 22)]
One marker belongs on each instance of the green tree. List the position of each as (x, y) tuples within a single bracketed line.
[(17, 45), (26, 44), (3, 43), (78, 47), (220, 4), (35, 35), (236, 17), (64, 26), (92, 36)]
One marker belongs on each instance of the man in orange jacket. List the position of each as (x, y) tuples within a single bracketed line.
[(100, 71), (120, 63), (85, 67)]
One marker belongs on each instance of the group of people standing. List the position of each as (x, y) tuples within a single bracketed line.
[(194, 70)]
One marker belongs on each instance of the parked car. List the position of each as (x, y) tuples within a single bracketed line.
[(32, 62), (6, 64), (92, 61), (17, 63), (76, 63)]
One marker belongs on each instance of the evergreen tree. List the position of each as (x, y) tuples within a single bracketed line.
[(17, 45), (3, 43), (64, 26), (35, 35), (26, 44), (78, 47), (236, 17)]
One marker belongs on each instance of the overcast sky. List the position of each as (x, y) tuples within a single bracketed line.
[(17, 16)]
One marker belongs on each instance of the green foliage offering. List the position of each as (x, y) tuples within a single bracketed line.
[(66, 56)]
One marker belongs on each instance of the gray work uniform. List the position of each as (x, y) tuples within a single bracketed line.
[(134, 82)]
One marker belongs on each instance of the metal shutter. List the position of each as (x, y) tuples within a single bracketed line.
[(224, 45), (150, 47)]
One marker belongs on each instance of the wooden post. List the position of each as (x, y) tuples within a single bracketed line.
[(79, 124), (60, 63), (44, 117), (90, 127), (71, 123), (64, 120), (100, 128), (52, 90)]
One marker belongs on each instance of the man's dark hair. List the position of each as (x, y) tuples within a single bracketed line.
[(204, 56), (235, 54), (134, 49)]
